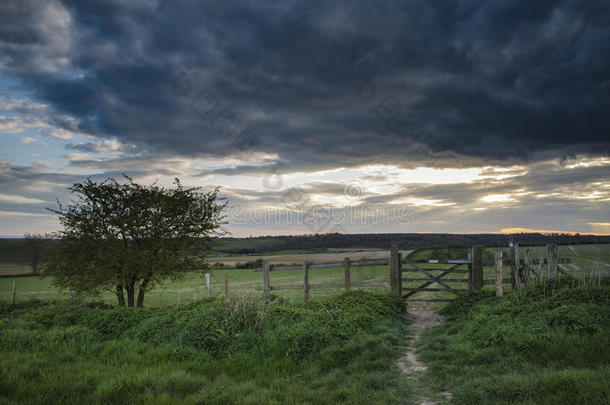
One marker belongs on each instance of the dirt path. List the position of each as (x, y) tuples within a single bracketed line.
[(409, 365)]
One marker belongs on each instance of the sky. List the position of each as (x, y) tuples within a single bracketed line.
[(345, 116)]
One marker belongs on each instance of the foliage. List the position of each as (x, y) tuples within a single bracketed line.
[(244, 350), (126, 236), (547, 343)]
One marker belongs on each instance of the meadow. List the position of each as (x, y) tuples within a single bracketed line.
[(586, 262), (246, 350), (545, 344)]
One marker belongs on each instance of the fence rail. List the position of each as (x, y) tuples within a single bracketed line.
[(433, 283)]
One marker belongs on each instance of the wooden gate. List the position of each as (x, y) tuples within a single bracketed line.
[(446, 277)]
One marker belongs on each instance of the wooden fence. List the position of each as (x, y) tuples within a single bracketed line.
[(347, 283), (522, 272)]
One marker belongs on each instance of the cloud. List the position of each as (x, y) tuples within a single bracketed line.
[(27, 140), (483, 116), (315, 83), (19, 199)]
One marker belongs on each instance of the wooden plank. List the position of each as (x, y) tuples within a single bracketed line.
[(436, 269), (394, 271), (347, 273), (380, 262), (477, 269), (436, 279), (451, 290), (398, 274), (435, 261), (449, 280), (326, 285), (430, 282), (207, 285)]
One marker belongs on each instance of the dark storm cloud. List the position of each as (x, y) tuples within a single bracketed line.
[(323, 84)]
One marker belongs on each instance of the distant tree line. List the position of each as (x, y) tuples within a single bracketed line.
[(403, 240)]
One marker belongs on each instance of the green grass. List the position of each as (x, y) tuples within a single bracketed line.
[(246, 350), (192, 286), (548, 343)]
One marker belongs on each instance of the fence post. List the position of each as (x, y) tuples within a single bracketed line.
[(207, 285), (266, 281), (347, 264), (551, 259), (470, 271), (305, 281), (14, 296), (498, 266), (476, 278), (393, 270), (227, 284), (399, 273), (528, 265)]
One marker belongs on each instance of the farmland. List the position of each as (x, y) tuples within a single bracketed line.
[(585, 261), (544, 344)]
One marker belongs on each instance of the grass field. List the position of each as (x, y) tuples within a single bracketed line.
[(192, 287), (241, 281), (546, 344), (241, 351), (586, 262)]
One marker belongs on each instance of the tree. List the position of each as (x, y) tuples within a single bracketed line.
[(123, 236), (36, 244)]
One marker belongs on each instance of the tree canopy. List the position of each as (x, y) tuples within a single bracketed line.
[(125, 237)]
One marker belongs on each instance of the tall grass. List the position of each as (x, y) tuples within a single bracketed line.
[(246, 350), (547, 343)]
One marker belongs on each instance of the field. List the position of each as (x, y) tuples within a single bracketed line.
[(241, 281), (547, 343), (586, 262), (246, 351)]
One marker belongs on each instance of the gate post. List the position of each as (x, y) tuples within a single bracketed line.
[(394, 286), (475, 279), (266, 279), (347, 275)]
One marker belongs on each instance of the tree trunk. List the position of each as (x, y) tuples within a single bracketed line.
[(120, 295), (141, 297), (130, 295), (141, 292)]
